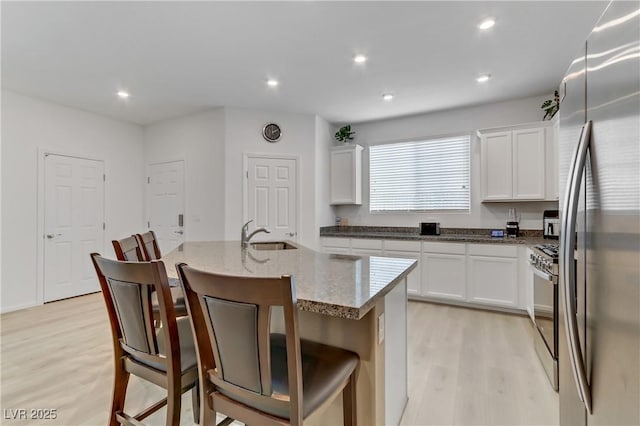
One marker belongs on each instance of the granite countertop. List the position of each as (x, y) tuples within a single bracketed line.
[(460, 235), (336, 285)]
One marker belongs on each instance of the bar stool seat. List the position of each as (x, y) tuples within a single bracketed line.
[(188, 357), (324, 371)]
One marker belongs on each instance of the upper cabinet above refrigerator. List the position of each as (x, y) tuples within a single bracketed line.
[(519, 163)]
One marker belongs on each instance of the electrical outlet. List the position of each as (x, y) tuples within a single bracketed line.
[(381, 328)]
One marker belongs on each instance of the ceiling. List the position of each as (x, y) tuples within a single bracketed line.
[(178, 58)]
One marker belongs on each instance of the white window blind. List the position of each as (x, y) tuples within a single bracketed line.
[(420, 175)]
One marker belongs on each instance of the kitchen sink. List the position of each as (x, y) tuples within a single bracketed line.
[(273, 245)]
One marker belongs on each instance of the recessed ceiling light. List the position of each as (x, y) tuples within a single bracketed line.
[(272, 83), (483, 78), (487, 23), (387, 96), (359, 59), (122, 94)]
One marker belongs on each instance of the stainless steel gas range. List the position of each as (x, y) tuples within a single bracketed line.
[(544, 265)]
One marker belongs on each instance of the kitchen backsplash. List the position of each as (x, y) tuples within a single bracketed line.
[(485, 215)]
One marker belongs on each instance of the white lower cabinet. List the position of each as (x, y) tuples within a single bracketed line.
[(470, 273), (366, 247), (409, 250), (444, 270), (526, 281), (336, 245), (492, 275), (444, 275)]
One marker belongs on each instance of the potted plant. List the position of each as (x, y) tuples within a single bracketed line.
[(551, 106), (345, 134)]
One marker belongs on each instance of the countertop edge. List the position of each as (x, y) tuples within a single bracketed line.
[(349, 312)]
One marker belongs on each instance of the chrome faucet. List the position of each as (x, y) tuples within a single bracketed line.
[(244, 238)]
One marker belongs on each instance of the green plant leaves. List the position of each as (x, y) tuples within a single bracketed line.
[(345, 134), (551, 106)]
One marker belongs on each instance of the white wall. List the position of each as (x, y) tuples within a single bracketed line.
[(199, 141), (455, 121), (28, 124), (243, 130), (325, 212)]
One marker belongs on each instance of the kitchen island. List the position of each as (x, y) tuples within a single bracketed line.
[(354, 302)]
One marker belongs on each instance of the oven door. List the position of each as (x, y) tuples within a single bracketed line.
[(545, 307), (545, 312)]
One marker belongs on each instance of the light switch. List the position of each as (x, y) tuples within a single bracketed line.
[(381, 328)]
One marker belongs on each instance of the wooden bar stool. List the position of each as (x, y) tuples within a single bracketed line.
[(165, 356), (250, 374), (149, 245), (130, 249)]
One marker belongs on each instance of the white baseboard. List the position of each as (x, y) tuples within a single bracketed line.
[(463, 304)]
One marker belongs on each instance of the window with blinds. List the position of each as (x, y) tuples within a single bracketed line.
[(420, 175)]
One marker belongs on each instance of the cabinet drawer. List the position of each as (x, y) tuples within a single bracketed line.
[(447, 248), (495, 250), (402, 245), (366, 244), (335, 242)]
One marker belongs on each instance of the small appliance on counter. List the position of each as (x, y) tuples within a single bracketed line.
[(551, 224), (429, 228), (513, 228)]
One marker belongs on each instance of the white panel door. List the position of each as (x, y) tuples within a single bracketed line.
[(165, 203), (529, 164), (496, 166), (272, 197), (73, 225)]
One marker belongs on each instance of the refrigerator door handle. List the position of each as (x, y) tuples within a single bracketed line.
[(570, 210)]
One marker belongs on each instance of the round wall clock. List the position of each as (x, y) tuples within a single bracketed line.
[(271, 132)]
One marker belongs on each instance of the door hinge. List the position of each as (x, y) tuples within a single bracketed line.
[(148, 179), (104, 226), (148, 225), (104, 177), (247, 173)]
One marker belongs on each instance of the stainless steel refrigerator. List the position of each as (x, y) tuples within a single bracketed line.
[(599, 325)]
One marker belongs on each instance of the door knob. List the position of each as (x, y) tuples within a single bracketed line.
[(292, 234), (179, 232), (52, 236)]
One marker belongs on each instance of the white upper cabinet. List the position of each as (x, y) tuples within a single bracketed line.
[(528, 164), (518, 163), (497, 170), (346, 174)]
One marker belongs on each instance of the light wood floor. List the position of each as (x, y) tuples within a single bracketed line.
[(465, 367), (473, 367)]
